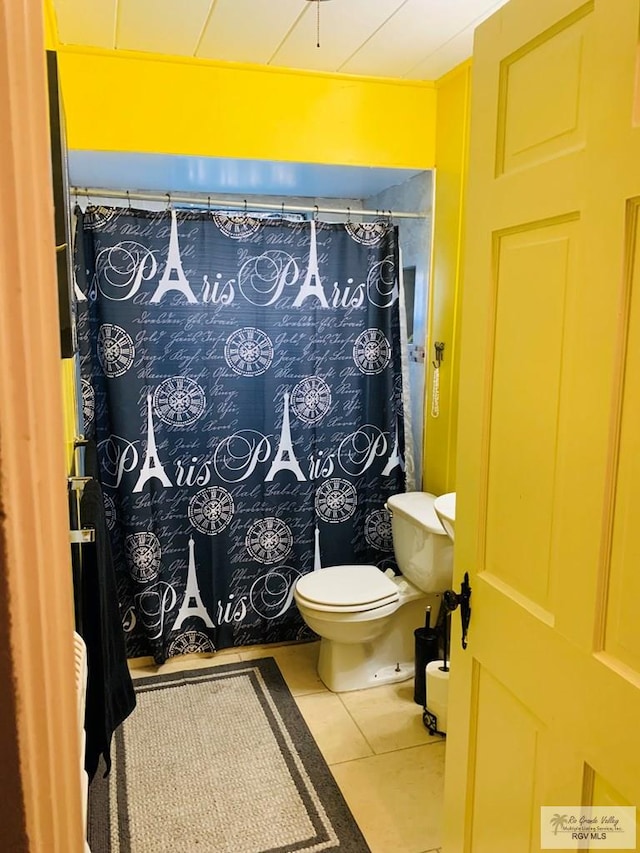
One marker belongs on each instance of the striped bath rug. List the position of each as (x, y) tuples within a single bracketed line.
[(218, 760)]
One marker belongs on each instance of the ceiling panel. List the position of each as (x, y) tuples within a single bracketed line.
[(417, 29), (160, 26), (416, 39), (92, 23), (248, 30), (343, 25), (451, 53), (446, 57)]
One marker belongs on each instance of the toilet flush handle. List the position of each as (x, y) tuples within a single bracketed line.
[(451, 600)]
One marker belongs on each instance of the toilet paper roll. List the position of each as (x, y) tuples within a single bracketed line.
[(438, 692)]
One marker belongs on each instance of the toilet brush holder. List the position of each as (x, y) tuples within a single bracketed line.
[(426, 650)]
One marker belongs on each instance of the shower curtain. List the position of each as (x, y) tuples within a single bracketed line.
[(242, 379)]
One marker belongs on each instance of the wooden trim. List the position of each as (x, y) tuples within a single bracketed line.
[(40, 786)]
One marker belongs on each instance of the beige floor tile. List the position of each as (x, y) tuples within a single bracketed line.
[(388, 717), (337, 736), (140, 663), (297, 663), (396, 798), (183, 663)]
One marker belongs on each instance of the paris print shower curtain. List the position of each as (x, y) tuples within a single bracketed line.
[(242, 379)]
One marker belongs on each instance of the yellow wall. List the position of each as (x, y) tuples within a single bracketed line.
[(120, 101), (69, 405), (452, 133)]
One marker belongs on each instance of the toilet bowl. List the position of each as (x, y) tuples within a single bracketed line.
[(365, 618)]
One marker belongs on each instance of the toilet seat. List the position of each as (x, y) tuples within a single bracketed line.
[(346, 589)]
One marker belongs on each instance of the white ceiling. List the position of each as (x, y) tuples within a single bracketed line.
[(412, 39)]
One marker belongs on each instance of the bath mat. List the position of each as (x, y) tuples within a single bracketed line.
[(218, 760)]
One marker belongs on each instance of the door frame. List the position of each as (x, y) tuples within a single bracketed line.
[(40, 746)]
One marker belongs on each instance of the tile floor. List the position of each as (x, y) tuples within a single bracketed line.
[(389, 769)]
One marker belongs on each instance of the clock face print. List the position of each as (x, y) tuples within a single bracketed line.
[(143, 553), (238, 226), (109, 510), (96, 218), (179, 401), (88, 403), (248, 351), (311, 399), (336, 500), (377, 530), (371, 351), (367, 233), (269, 540), (116, 351), (211, 510), (190, 643)]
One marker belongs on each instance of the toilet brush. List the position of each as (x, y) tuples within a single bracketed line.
[(445, 643)]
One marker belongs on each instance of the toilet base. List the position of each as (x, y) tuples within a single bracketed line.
[(386, 660), (344, 667), (402, 671)]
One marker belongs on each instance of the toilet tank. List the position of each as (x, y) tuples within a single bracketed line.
[(423, 550)]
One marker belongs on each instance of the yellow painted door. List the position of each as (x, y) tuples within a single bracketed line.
[(545, 701)]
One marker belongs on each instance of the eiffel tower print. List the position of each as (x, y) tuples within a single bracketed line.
[(174, 264), (285, 458), (317, 562), (313, 274), (152, 467), (395, 458), (192, 594)]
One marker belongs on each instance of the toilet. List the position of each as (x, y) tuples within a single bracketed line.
[(365, 618)]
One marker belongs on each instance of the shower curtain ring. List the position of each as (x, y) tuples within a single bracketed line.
[(349, 215), (245, 207), (209, 203), (168, 195), (129, 199), (316, 211), (282, 212)]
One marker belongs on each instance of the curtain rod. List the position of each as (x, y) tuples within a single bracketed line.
[(202, 198)]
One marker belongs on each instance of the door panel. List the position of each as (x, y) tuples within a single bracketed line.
[(544, 702), (503, 720), (533, 277), (546, 69)]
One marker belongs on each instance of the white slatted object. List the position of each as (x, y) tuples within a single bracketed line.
[(80, 655)]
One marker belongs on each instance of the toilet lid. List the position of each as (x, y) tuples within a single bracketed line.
[(417, 507), (348, 586)]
